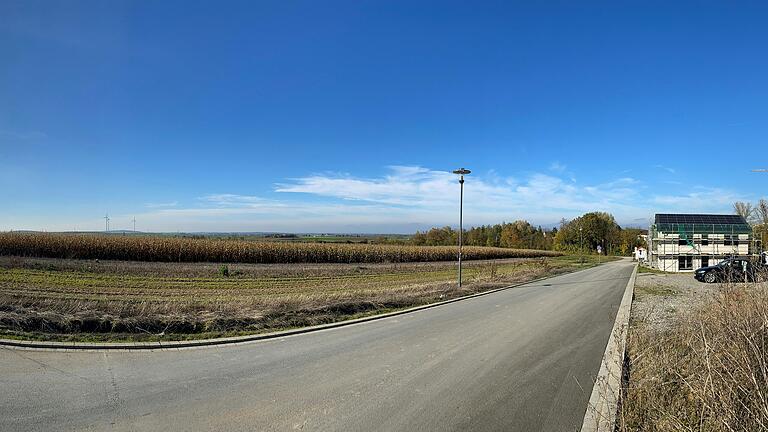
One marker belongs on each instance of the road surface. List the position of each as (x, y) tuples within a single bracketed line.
[(519, 359)]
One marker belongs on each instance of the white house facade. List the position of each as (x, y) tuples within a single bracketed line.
[(685, 242)]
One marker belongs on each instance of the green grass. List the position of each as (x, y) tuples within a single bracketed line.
[(643, 269)]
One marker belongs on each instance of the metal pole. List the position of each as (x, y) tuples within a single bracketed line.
[(461, 172), (461, 221)]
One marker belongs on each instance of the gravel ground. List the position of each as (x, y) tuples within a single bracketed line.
[(660, 296)]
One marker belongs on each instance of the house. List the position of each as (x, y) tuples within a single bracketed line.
[(685, 242), (639, 254)]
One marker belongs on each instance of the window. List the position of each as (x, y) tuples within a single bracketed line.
[(685, 263), (705, 240), (727, 240), (682, 242), (705, 261)]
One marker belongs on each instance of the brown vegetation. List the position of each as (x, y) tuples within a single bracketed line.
[(708, 371), (174, 249), (107, 300)]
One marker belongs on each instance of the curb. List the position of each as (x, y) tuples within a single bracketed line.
[(144, 346), (604, 402)]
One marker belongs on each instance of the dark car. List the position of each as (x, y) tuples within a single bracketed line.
[(733, 270)]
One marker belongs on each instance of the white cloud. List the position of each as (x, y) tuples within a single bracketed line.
[(702, 199), (488, 198), (407, 198), (161, 205), (556, 166), (665, 168)]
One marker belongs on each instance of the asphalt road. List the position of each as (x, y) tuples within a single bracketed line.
[(519, 359)]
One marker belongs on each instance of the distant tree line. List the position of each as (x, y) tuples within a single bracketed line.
[(597, 228), (518, 235)]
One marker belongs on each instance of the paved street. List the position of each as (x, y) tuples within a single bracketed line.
[(520, 359)]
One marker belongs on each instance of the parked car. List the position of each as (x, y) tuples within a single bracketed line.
[(733, 270)]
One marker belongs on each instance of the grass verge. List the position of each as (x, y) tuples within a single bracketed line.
[(70, 300)]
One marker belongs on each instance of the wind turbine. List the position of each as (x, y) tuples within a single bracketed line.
[(106, 222), (134, 224)]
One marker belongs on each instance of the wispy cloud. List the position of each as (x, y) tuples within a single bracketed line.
[(407, 198), (701, 199), (232, 200), (665, 168), (556, 166), (162, 205), (488, 198), (402, 200)]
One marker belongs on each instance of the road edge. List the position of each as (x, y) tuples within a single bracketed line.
[(606, 392), (171, 345)]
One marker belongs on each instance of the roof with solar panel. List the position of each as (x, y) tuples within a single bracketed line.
[(702, 222), (699, 219)]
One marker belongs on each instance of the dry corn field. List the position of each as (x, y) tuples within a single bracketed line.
[(175, 249)]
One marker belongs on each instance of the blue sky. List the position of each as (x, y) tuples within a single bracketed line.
[(348, 116)]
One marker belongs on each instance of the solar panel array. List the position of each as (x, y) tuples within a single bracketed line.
[(662, 218)]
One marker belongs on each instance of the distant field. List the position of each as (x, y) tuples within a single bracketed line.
[(63, 299), (178, 249)]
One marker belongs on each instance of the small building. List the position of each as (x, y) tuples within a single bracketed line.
[(640, 254), (685, 242)]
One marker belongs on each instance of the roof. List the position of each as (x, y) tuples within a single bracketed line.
[(667, 218)]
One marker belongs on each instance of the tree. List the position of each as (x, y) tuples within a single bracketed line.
[(519, 234), (745, 210), (761, 211), (597, 229)]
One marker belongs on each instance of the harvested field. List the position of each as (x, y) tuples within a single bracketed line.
[(175, 249), (109, 300)]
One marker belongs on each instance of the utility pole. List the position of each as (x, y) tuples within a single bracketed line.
[(461, 172)]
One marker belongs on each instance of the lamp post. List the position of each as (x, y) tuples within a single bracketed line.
[(581, 245), (461, 172)]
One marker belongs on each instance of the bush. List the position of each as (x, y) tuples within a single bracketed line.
[(224, 270)]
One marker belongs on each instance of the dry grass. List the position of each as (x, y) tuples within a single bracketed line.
[(175, 249), (706, 372), (69, 299)]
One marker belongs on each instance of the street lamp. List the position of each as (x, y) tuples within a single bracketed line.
[(581, 244), (461, 172)]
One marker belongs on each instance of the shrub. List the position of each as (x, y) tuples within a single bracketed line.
[(224, 270), (707, 373)]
